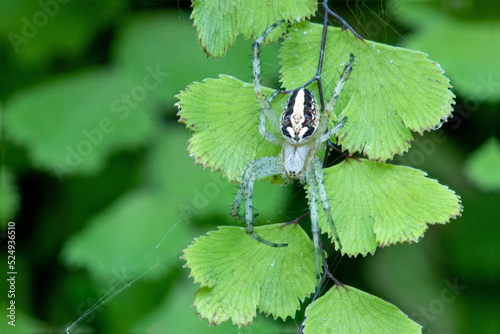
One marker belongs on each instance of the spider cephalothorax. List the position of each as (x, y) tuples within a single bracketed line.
[(303, 131)]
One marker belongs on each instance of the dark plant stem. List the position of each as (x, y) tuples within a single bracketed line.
[(330, 146), (326, 274), (317, 76), (296, 220)]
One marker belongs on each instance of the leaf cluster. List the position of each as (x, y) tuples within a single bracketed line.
[(392, 92)]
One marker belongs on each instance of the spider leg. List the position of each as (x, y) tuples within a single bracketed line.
[(262, 124), (269, 136), (256, 169), (330, 133), (273, 95), (313, 207), (323, 126), (265, 105), (317, 166)]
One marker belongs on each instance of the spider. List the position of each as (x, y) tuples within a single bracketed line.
[(303, 131)]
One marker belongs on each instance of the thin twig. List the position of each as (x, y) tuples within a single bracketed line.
[(326, 274), (345, 25), (296, 220), (317, 76)]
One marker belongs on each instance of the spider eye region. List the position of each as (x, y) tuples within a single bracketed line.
[(300, 117)]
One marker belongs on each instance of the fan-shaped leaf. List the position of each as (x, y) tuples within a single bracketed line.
[(238, 274), (436, 31), (375, 204), (391, 92), (224, 116), (350, 311), (250, 18)]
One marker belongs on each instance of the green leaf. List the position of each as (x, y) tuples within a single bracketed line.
[(250, 18), (414, 284), (472, 259), (146, 42), (391, 92), (483, 166), (9, 197), (200, 193), (118, 239), (30, 324), (375, 204), (238, 274), (144, 79), (33, 28), (72, 124), (455, 42), (175, 315), (224, 116), (349, 310)]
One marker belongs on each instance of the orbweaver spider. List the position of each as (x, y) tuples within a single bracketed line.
[(303, 131)]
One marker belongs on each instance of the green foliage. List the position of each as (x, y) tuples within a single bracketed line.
[(349, 310), (175, 315), (249, 18), (108, 109), (9, 197), (473, 65), (78, 230), (28, 325), (96, 122), (223, 114), (477, 259), (37, 41), (392, 91), (139, 219), (238, 274), (137, 48), (379, 204), (379, 129), (484, 165), (193, 191), (137, 223), (396, 91)]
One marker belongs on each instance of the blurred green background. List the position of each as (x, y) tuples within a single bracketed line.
[(96, 176)]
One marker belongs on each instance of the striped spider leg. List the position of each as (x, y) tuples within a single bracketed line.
[(303, 131)]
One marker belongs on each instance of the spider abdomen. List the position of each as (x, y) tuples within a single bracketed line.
[(300, 117), (295, 159)]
